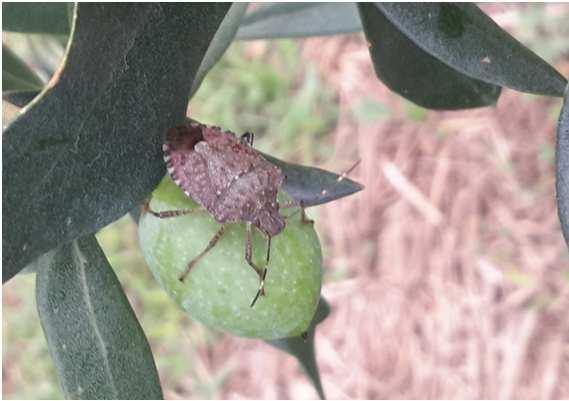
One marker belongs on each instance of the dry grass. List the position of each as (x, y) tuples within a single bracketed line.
[(458, 274)]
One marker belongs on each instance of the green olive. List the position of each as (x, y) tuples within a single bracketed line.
[(219, 289)]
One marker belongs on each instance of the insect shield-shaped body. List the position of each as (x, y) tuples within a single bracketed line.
[(225, 175), (216, 179), (228, 178)]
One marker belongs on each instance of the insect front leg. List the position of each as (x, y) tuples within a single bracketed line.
[(210, 245), (262, 273), (167, 213)]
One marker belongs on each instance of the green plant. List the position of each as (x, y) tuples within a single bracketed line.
[(86, 151)]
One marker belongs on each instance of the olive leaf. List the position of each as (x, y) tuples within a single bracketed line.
[(16, 75), (313, 186), (290, 20), (94, 338), (303, 349), (562, 184), (35, 265), (310, 186), (220, 42), (89, 148), (464, 38), (413, 73), (51, 18)]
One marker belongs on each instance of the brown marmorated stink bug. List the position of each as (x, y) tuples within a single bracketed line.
[(231, 180)]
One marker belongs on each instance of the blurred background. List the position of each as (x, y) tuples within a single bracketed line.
[(448, 275)]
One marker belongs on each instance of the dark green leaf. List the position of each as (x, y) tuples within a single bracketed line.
[(563, 167), (20, 98), (304, 349), (313, 186), (293, 20), (16, 75), (466, 39), (220, 42), (416, 75), (88, 149), (50, 18), (36, 265), (95, 340)]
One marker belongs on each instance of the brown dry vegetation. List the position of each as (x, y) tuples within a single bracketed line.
[(458, 281)]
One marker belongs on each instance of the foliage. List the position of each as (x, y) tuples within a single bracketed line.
[(87, 149), (75, 293)]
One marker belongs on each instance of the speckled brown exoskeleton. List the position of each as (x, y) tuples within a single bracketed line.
[(229, 179)]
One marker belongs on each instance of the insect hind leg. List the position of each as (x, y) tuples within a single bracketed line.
[(303, 217), (261, 272)]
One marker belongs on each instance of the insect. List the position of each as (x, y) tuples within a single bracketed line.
[(231, 181)]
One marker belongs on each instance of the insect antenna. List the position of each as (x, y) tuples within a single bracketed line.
[(324, 192), (342, 177)]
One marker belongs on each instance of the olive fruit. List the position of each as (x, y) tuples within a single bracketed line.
[(219, 288)]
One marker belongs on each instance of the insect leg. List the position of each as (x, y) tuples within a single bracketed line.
[(249, 251), (248, 138), (268, 248), (249, 258), (208, 248), (303, 217), (261, 289), (167, 213), (171, 213)]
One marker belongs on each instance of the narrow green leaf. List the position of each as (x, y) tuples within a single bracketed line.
[(562, 184), (52, 18), (35, 265), (89, 148), (294, 20), (16, 75), (416, 75), (466, 39), (95, 340), (220, 42), (304, 349), (313, 186), (20, 98)]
